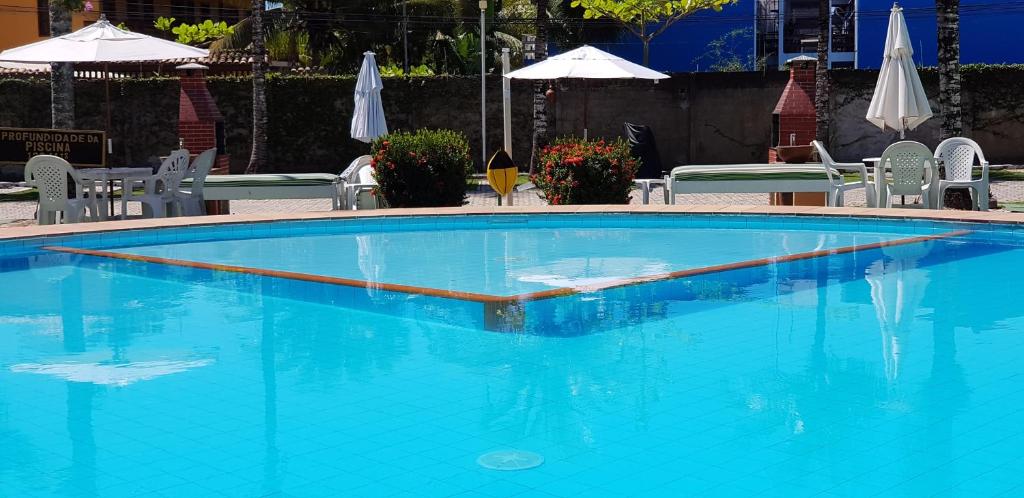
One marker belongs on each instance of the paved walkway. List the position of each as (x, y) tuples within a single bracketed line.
[(22, 213)]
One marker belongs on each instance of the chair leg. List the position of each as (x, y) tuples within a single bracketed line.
[(983, 197)]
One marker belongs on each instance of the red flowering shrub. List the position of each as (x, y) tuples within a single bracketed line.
[(574, 171), (428, 168)]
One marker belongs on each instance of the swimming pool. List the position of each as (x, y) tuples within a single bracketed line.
[(660, 355)]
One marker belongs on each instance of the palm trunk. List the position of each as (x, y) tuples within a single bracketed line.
[(62, 75), (540, 104), (822, 112), (948, 12), (258, 158), (948, 20)]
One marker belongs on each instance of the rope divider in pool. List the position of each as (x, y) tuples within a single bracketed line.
[(494, 304)]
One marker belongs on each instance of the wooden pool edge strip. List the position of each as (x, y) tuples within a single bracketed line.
[(489, 299), (306, 277), (565, 291)]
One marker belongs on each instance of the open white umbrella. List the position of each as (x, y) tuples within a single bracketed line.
[(368, 120), (899, 101), (585, 62), (101, 42)]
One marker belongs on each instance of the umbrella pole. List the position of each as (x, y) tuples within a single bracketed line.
[(586, 97), (106, 84)]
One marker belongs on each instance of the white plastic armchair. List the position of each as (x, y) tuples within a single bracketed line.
[(958, 155), (840, 183), (190, 202), (359, 183), (912, 167), (49, 174), (158, 190)]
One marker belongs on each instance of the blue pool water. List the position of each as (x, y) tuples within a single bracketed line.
[(892, 371)]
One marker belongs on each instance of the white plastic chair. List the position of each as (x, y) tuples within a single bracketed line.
[(359, 183), (190, 202), (158, 196), (957, 154), (840, 183), (912, 169), (49, 174)]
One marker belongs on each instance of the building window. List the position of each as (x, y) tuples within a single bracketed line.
[(43, 17), (800, 26), (184, 11)]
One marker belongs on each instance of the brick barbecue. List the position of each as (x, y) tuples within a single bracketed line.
[(794, 122), (200, 123)]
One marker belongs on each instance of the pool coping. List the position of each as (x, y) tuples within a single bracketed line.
[(982, 217)]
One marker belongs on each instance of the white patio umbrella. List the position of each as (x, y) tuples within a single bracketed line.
[(585, 63), (368, 120), (101, 42), (899, 101)]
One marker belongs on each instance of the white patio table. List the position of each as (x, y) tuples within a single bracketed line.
[(99, 182)]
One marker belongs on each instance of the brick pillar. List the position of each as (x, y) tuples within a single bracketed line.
[(200, 123)]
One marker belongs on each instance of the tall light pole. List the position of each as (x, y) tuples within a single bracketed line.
[(483, 82), (405, 38)]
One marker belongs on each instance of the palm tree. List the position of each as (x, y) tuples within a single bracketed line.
[(62, 74), (948, 13), (258, 158), (540, 102), (821, 108)]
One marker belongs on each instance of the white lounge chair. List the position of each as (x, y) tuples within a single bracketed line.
[(359, 183), (158, 190), (754, 178), (957, 154), (912, 168), (840, 184), (189, 201), (49, 175)]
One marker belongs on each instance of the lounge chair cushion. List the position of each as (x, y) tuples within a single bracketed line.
[(268, 180), (739, 173)]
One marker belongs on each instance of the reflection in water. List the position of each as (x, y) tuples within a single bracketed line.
[(897, 286), (113, 374)]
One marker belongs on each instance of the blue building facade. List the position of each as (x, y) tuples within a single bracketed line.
[(769, 32)]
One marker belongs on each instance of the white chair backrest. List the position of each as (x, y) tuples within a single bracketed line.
[(351, 173), (826, 159), (201, 167), (365, 175), (911, 164), (173, 169), (957, 154), (49, 174)]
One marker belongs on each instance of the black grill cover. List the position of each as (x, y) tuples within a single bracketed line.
[(642, 146)]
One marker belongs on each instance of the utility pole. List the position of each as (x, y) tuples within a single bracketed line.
[(483, 81), (405, 37)]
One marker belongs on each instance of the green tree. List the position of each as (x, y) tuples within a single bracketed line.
[(647, 19), (202, 33)]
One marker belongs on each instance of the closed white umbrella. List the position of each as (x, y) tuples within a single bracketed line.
[(587, 63), (368, 120), (899, 101)]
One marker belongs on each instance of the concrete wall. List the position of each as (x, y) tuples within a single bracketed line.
[(696, 118)]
